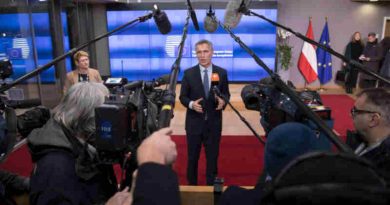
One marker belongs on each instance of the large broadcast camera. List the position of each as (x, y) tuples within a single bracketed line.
[(276, 108), (127, 117), (13, 127)]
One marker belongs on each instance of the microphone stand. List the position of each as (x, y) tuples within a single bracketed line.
[(63, 56), (243, 9), (288, 91), (169, 94), (219, 94)]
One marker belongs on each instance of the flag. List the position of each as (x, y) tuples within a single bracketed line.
[(307, 62), (324, 59), (14, 53)]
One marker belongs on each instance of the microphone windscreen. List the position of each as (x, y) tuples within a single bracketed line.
[(162, 21), (209, 24), (232, 15)]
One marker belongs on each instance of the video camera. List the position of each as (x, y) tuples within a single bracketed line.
[(276, 107), (11, 125), (127, 117)]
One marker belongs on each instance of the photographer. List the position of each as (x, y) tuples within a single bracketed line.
[(65, 170)]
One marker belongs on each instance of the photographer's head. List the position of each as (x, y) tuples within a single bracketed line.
[(286, 142), (371, 114), (76, 110)]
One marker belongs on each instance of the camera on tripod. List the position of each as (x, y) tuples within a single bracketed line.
[(13, 127), (276, 108), (127, 117)]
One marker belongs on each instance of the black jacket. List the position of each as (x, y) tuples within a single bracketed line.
[(156, 184), (61, 175), (385, 70), (375, 53), (192, 89), (380, 157)]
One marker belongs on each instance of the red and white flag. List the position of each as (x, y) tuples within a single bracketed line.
[(307, 62)]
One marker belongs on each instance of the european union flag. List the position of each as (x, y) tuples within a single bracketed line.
[(14, 53), (324, 59)]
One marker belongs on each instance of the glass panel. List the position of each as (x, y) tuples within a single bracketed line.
[(25, 39)]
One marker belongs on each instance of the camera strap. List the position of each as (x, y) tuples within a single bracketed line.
[(86, 166)]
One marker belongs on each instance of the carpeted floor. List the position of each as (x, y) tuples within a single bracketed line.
[(240, 160), (241, 157), (341, 106)]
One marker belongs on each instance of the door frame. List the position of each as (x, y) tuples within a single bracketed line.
[(385, 19)]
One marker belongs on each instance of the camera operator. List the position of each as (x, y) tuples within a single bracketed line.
[(371, 118), (65, 169)]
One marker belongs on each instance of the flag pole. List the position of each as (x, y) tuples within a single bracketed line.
[(305, 85), (321, 89)]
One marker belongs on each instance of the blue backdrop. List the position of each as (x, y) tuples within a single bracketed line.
[(16, 43), (141, 52)]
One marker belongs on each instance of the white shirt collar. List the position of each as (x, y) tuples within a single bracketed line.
[(209, 69)]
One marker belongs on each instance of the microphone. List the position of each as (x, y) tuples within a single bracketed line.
[(24, 103), (210, 25), (214, 79), (232, 12), (215, 83), (162, 80), (133, 84), (193, 15), (161, 20), (147, 85)]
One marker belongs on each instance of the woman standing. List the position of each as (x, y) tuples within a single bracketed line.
[(83, 73), (353, 51)]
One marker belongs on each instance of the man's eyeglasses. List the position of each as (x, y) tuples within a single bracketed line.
[(355, 111)]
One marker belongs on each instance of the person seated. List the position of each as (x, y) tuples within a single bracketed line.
[(371, 118), (284, 143), (328, 178)]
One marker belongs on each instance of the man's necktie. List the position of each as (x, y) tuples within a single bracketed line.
[(206, 83)]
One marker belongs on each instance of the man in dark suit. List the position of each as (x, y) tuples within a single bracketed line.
[(371, 118), (204, 111)]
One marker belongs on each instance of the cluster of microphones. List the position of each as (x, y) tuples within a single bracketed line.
[(233, 14)]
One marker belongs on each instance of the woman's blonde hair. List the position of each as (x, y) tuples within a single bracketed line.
[(78, 55)]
